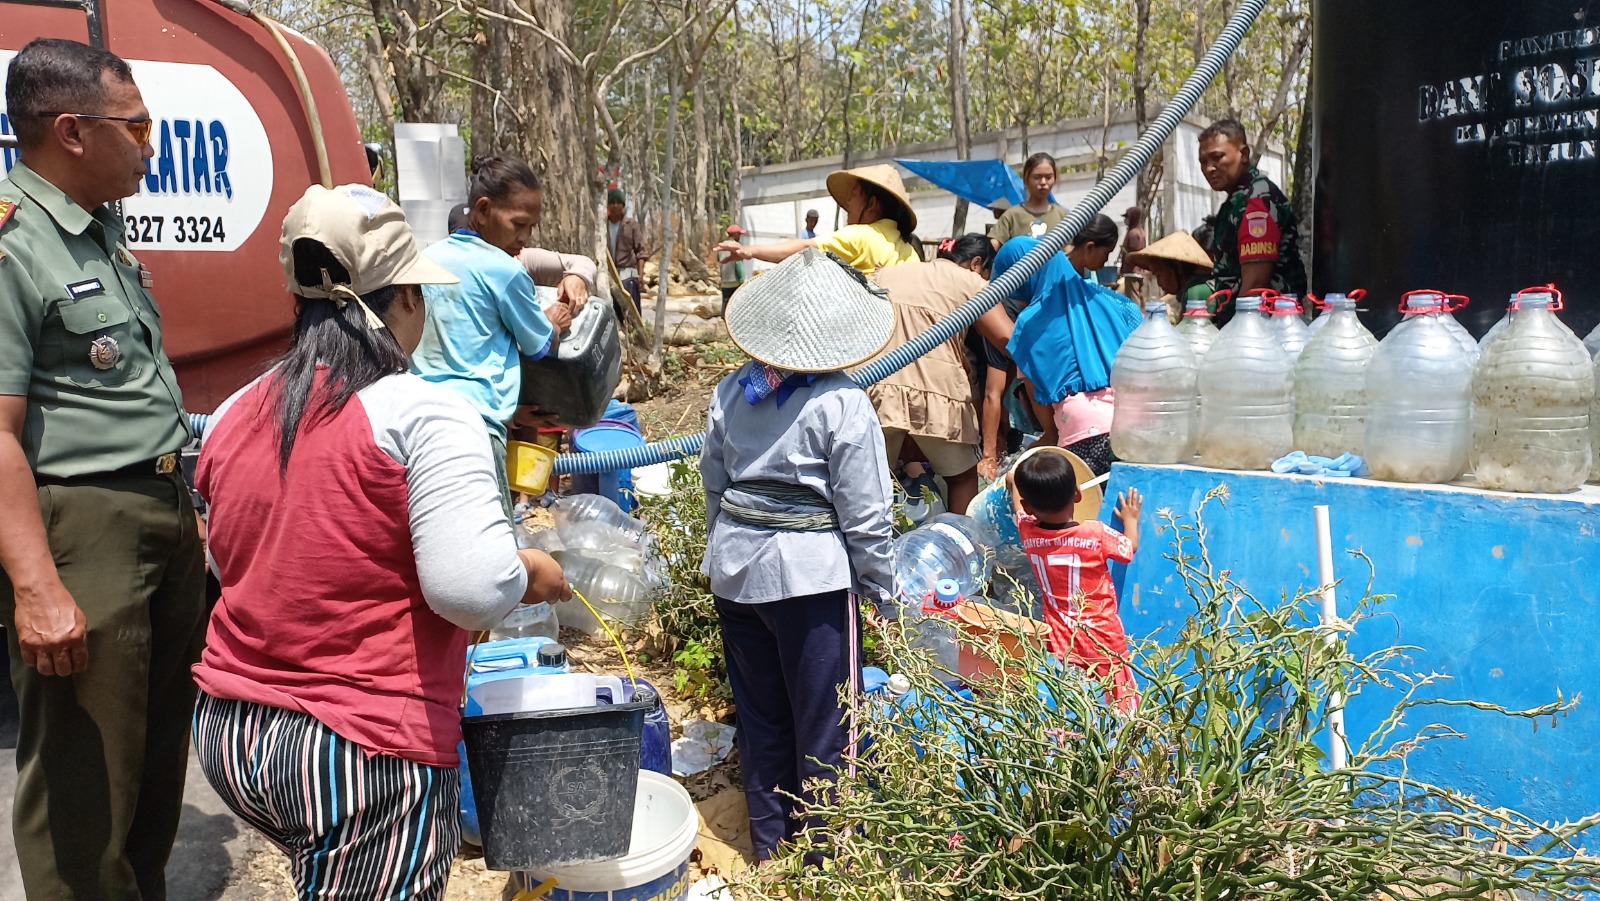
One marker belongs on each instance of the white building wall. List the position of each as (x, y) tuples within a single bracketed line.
[(776, 197)]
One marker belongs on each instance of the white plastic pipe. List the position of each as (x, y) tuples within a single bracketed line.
[(1337, 745)]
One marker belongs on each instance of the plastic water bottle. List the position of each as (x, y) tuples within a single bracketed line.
[(1499, 327), (615, 592), (1591, 342), (1419, 395), (1155, 378), (1285, 315), (1330, 382), (1459, 331), (529, 621), (1323, 308), (1531, 394), (1246, 415), (1197, 328), (935, 631), (585, 508), (947, 546)]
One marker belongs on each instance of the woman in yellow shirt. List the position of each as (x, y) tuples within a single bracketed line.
[(880, 225)]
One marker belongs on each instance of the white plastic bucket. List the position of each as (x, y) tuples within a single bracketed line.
[(665, 827)]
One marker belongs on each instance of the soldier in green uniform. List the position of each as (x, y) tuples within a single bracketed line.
[(1256, 243), (102, 587)]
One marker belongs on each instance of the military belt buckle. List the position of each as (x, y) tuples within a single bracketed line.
[(166, 464)]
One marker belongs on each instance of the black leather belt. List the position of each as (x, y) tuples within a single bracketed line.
[(164, 465)]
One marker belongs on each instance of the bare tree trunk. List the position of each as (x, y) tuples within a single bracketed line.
[(736, 126), (558, 142), (1145, 192), (1305, 183), (492, 66), (666, 225), (380, 79), (958, 100), (396, 27), (700, 177), (1291, 68)]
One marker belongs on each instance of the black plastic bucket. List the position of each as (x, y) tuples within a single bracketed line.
[(555, 787)]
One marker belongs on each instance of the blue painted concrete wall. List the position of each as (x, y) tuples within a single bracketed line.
[(1501, 592)]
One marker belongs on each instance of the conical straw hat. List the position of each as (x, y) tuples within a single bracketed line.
[(1178, 247), (811, 313), (840, 183)]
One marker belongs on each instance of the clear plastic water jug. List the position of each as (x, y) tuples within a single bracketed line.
[(1531, 393), (1591, 342), (572, 513), (1594, 427), (1287, 321), (618, 594), (1197, 327), (529, 621), (935, 632), (1419, 396), (1330, 382), (1499, 327), (948, 546), (1155, 379), (1246, 415)]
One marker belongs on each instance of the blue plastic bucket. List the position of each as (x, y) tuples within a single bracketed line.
[(617, 411), (611, 436)]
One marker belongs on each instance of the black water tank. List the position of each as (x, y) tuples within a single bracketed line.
[(1457, 149)]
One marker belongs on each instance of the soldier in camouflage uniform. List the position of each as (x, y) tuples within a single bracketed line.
[(1256, 242)]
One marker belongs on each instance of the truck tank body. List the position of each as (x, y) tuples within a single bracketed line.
[(234, 149)]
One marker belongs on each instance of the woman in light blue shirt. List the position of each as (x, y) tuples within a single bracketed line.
[(478, 331)]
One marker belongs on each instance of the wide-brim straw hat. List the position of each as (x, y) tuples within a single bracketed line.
[(1178, 247), (841, 182), (811, 313)]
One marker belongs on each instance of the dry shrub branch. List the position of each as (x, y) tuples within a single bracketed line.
[(1216, 788)]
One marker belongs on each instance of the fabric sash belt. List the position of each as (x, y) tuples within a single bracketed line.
[(821, 517)]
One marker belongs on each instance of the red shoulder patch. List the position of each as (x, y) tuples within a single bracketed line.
[(7, 207), (1258, 233)]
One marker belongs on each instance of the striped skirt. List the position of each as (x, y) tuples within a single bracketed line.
[(356, 826)]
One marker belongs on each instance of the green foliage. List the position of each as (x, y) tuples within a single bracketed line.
[(1214, 787), (685, 609)]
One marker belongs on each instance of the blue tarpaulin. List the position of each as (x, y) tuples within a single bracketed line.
[(983, 182)]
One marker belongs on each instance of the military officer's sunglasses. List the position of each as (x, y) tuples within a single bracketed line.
[(138, 129)]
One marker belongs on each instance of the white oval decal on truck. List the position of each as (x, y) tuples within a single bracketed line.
[(208, 185)]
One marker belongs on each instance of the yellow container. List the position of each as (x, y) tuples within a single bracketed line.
[(528, 466)]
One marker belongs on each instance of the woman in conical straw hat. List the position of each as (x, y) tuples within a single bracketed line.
[(799, 524), (879, 231), (1180, 266)]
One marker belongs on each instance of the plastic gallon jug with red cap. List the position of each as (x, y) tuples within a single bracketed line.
[(1197, 326), (1155, 378), (1246, 415), (1285, 315), (1531, 393), (1330, 381), (1419, 395)]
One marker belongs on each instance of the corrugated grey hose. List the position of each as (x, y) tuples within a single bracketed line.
[(1137, 157)]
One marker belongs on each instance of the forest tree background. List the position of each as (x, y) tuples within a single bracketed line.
[(586, 89)]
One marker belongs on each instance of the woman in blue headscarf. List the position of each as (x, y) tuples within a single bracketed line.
[(1066, 339)]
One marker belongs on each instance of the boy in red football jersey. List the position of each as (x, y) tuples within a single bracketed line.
[(1070, 558)]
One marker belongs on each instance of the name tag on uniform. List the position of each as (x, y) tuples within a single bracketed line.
[(86, 288)]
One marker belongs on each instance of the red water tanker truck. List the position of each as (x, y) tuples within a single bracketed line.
[(248, 113)]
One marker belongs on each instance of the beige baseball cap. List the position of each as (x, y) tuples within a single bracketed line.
[(366, 232)]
